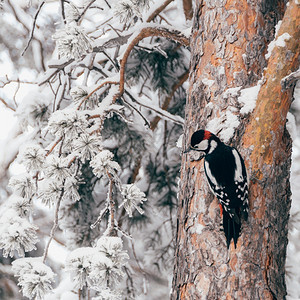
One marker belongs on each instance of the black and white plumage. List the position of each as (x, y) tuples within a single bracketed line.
[(226, 174)]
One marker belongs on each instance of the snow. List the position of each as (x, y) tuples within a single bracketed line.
[(248, 98), (208, 82), (179, 142), (278, 42), (221, 70), (197, 228), (226, 125), (231, 92), (291, 125), (132, 198)]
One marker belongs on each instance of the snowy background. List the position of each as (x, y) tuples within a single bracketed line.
[(147, 257)]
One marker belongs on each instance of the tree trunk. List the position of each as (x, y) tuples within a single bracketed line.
[(228, 46)]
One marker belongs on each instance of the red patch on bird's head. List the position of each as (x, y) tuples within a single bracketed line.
[(207, 135)]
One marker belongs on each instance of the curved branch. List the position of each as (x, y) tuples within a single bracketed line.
[(144, 33)]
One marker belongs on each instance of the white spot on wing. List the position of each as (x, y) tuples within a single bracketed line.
[(238, 175), (210, 175)]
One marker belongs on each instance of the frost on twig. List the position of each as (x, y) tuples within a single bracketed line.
[(133, 197)]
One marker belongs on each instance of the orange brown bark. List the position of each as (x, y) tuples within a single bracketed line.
[(229, 43)]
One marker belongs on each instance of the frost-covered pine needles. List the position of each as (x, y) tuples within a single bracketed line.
[(82, 147)]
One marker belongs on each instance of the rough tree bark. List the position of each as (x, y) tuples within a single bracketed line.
[(228, 46)]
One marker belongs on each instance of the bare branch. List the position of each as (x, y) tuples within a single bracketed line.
[(63, 11), (55, 225), (33, 27), (130, 105), (176, 119), (5, 103), (85, 10), (110, 231), (188, 9), (158, 10), (102, 212)]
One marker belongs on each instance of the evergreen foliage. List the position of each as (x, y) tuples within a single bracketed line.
[(94, 164)]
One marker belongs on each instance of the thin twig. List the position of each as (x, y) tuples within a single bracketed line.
[(55, 224), (55, 144), (95, 90), (33, 27), (110, 231), (158, 10), (144, 118), (168, 99), (63, 11), (84, 11), (9, 81), (5, 103), (102, 212), (159, 111), (58, 68)]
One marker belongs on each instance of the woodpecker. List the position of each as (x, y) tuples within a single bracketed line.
[(227, 177)]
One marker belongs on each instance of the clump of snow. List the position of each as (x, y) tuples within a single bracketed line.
[(22, 206), (49, 191), (179, 141), (231, 92), (278, 42), (208, 82), (22, 185), (291, 125), (68, 123), (78, 263), (57, 168), (34, 110), (32, 156), (277, 27), (248, 98), (221, 70), (225, 125), (99, 267)]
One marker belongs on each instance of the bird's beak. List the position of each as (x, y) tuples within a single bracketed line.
[(187, 150)]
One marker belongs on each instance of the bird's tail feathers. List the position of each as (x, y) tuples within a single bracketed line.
[(232, 227)]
